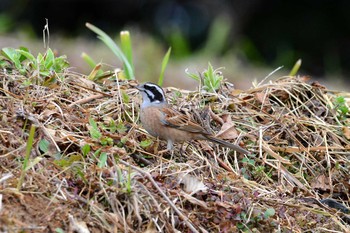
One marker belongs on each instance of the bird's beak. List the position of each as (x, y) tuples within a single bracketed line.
[(139, 87)]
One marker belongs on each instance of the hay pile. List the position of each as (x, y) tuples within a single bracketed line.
[(297, 136)]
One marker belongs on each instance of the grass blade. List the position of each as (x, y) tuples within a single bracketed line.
[(295, 68), (164, 64), (26, 158), (126, 45), (115, 49)]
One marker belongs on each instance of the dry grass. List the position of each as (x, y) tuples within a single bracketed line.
[(299, 155)]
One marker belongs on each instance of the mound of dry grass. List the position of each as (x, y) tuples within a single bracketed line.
[(298, 139)]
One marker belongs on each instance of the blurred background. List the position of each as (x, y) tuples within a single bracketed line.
[(249, 39)]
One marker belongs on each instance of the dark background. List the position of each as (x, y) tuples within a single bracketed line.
[(262, 33)]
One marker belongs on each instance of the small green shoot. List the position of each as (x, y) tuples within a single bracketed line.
[(44, 145), (164, 65), (295, 68), (129, 71), (96, 72), (96, 67), (341, 107), (125, 97), (146, 143), (47, 65), (26, 158), (128, 182), (269, 213), (94, 130), (88, 60), (106, 141), (121, 128), (126, 46), (212, 78), (85, 149), (102, 160)]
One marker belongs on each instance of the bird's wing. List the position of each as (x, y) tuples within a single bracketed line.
[(175, 119)]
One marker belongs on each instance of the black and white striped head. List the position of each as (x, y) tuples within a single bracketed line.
[(152, 94)]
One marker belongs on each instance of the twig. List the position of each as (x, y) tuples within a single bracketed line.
[(86, 100)]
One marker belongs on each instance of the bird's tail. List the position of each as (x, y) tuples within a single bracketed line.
[(227, 144)]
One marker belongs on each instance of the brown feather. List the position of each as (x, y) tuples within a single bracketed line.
[(181, 121)]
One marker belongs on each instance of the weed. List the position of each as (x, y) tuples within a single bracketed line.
[(26, 158), (164, 64), (124, 53), (43, 69), (211, 79), (341, 108), (295, 68), (128, 67)]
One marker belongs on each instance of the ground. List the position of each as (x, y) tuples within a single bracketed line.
[(90, 166)]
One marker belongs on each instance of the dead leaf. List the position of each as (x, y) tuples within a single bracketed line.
[(346, 132), (321, 182), (262, 98), (236, 92), (192, 184), (228, 130)]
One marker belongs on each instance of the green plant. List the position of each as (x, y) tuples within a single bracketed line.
[(124, 53), (96, 134), (44, 68), (295, 68), (211, 78), (341, 107), (269, 213), (146, 143), (26, 158), (128, 67), (85, 149), (102, 160), (94, 130), (126, 46), (164, 64), (96, 67), (124, 182)]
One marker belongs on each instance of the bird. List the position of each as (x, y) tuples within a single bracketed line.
[(161, 120)]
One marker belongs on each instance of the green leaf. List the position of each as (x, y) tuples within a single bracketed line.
[(126, 46), (12, 55), (60, 64), (295, 68), (88, 60), (340, 100), (94, 130), (49, 59), (164, 65), (27, 54), (27, 155), (103, 160), (106, 141), (193, 76), (125, 97), (121, 128), (343, 109), (269, 212), (146, 143), (59, 230), (85, 149), (44, 145), (114, 48)]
